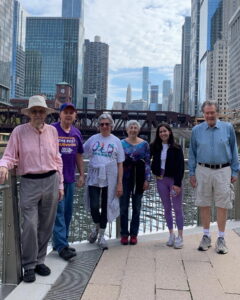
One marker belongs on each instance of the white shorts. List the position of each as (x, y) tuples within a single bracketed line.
[(214, 185)]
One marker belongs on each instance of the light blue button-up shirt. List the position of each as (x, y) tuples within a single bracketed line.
[(213, 145)]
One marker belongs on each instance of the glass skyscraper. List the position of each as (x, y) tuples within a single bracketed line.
[(145, 83), (18, 51), (186, 37), (53, 55), (6, 26), (207, 35), (72, 9), (166, 90)]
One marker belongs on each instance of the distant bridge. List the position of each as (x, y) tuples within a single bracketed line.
[(87, 120)]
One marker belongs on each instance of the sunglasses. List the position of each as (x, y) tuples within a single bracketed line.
[(104, 124), (38, 111)]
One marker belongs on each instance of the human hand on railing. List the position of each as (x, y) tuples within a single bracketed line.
[(60, 194), (119, 190), (193, 181), (80, 181), (146, 185), (3, 174)]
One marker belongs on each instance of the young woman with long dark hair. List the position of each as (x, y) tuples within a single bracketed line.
[(168, 167)]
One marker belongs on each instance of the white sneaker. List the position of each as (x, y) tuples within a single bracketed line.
[(102, 243), (178, 243), (171, 240)]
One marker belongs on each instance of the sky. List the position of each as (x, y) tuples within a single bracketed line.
[(139, 33)]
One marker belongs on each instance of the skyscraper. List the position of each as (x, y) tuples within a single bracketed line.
[(194, 58), (154, 94), (73, 9), (129, 95), (53, 55), (186, 37), (207, 10), (234, 61), (177, 88), (145, 83), (6, 30), (96, 71), (18, 51), (166, 90)]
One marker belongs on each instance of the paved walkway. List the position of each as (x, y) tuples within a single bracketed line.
[(153, 271)]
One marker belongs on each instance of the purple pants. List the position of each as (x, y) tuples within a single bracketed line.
[(164, 187)]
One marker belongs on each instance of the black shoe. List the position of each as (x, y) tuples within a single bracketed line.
[(72, 249), (29, 275), (42, 270), (66, 253)]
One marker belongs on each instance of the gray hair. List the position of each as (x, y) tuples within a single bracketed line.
[(106, 116), (132, 122), (210, 103)]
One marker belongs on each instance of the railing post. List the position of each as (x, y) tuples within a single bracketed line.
[(12, 270), (118, 227)]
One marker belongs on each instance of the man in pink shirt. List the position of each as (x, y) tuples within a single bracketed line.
[(33, 149)]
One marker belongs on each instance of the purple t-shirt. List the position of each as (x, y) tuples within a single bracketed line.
[(69, 145)]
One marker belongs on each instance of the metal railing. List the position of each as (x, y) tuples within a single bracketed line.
[(151, 220), (11, 271)]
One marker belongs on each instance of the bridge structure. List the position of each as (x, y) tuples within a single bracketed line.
[(87, 120)]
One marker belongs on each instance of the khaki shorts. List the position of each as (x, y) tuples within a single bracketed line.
[(214, 185)]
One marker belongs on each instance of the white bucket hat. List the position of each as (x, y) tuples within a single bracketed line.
[(37, 100)]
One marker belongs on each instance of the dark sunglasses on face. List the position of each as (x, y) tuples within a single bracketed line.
[(38, 111), (104, 124)]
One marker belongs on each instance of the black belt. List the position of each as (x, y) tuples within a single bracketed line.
[(214, 166), (38, 176)]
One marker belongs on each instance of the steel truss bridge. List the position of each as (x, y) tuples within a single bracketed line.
[(87, 120)]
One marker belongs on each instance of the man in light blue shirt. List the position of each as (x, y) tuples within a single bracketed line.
[(213, 166)]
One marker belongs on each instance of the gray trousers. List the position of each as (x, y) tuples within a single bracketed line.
[(38, 203)]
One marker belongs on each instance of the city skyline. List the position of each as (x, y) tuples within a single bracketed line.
[(131, 46)]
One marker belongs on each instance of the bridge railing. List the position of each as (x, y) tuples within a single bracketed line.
[(151, 220)]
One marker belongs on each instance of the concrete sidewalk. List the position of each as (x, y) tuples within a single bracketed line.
[(152, 271)]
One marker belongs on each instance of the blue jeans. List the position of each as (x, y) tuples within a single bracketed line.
[(136, 208), (94, 195), (63, 218)]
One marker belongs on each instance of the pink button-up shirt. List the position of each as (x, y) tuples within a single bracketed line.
[(33, 151)]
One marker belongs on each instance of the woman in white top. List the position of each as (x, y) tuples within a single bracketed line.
[(168, 166), (104, 178)]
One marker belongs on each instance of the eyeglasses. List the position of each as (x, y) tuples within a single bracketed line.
[(38, 111), (104, 124)]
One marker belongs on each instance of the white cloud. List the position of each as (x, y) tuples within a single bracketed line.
[(139, 32), (145, 32)]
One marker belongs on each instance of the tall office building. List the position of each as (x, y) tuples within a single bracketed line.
[(154, 94), (177, 88), (6, 30), (73, 9), (186, 37), (234, 61), (53, 55), (129, 95), (194, 59), (218, 58), (166, 90), (96, 71), (145, 83), (18, 51), (206, 39)]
